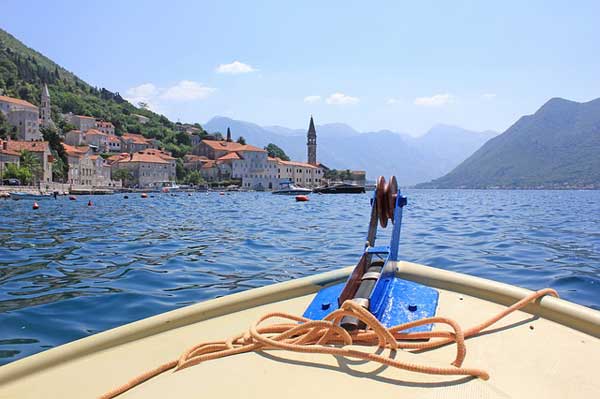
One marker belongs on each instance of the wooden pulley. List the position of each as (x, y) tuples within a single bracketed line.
[(391, 193), (386, 199), (381, 201)]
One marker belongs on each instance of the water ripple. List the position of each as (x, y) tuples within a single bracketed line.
[(69, 270)]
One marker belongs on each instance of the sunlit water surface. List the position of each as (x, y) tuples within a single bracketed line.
[(68, 270)]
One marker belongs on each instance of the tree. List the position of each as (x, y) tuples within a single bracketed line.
[(195, 178), (183, 138), (12, 171), (32, 163), (276, 152), (180, 171), (6, 129), (60, 170), (124, 175), (58, 151), (241, 140)]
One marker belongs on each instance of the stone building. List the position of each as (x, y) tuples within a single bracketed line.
[(300, 173), (24, 115), (88, 168), (7, 156), (105, 127), (81, 122), (74, 137), (131, 142), (147, 170), (41, 149), (114, 143), (97, 139), (166, 156), (247, 163)]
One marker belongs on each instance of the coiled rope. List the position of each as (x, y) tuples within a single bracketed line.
[(327, 337)]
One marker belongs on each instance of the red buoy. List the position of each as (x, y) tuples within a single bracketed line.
[(144, 195), (90, 203), (35, 205), (72, 197), (301, 198)]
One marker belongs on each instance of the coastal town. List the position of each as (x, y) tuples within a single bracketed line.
[(102, 161)]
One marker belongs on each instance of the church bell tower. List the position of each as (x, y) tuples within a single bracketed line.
[(45, 113), (312, 143)]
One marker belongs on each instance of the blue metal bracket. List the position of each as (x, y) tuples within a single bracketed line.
[(406, 301), (392, 300)]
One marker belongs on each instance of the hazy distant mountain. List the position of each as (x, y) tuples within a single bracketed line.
[(383, 152), (557, 146), (449, 145)]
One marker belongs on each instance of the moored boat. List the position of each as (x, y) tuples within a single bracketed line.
[(26, 195), (340, 188), (286, 187)]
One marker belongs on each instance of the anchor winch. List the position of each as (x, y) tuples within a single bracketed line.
[(374, 283)]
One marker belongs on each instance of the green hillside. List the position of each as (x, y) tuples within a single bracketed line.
[(23, 70), (557, 147)]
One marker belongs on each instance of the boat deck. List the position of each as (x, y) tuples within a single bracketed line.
[(525, 355)]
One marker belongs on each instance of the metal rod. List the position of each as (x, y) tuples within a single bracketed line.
[(362, 295)]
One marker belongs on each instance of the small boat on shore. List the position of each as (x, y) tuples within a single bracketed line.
[(385, 327), (20, 195), (288, 188), (340, 188)]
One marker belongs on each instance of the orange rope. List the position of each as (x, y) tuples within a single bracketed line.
[(320, 336)]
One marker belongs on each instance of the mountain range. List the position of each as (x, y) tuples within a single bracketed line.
[(556, 147), (411, 159)]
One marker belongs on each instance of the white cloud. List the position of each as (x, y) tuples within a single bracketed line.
[(143, 90), (144, 93), (434, 101), (489, 96), (312, 99), (154, 97), (391, 101), (235, 68), (187, 90), (341, 99)]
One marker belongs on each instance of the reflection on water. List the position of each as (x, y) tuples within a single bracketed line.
[(69, 270)]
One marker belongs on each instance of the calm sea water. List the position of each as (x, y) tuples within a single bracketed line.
[(68, 270)]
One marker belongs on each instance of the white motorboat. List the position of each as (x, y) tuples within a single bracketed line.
[(287, 188)]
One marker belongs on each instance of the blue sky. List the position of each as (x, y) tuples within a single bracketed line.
[(400, 65)]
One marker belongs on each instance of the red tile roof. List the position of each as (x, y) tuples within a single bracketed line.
[(163, 154), (142, 157), (7, 151), (32, 146), (208, 164), (95, 132), (114, 139), (17, 101), (194, 158), (116, 157), (231, 155), (135, 138), (294, 163), (231, 146), (75, 151)]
